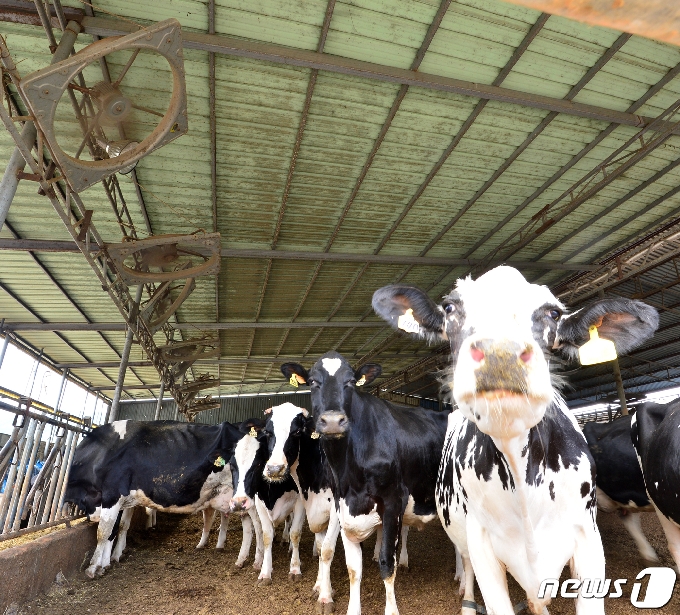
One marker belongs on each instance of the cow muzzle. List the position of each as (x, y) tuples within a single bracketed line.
[(332, 424), (240, 504), (501, 366), (275, 472)]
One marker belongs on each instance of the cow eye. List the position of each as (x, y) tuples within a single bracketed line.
[(311, 382), (449, 308), (555, 315)]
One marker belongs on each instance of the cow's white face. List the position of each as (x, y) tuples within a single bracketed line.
[(243, 466), (500, 328), (285, 425), (503, 331)]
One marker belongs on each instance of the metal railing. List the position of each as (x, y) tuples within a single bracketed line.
[(34, 465)]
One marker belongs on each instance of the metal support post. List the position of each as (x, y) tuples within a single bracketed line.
[(17, 163), (62, 388), (115, 403), (3, 350), (159, 405), (617, 377)]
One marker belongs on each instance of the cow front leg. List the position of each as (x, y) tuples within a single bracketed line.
[(208, 517), (403, 552), (295, 571), (107, 522), (318, 543), (263, 513), (121, 540), (490, 572), (354, 566), (631, 521), (224, 527), (325, 605), (388, 557), (588, 563)]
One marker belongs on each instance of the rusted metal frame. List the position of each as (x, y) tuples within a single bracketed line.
[(280, 54), (64, 292), (562, 206), (311, 84), (652, 91), (658, 175), (396, 104), (100, 264)]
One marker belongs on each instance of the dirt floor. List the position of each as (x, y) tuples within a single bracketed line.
[(162, 574)]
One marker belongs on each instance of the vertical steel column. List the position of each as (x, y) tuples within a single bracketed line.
[(16, 475), (160, 401), (62, 443), (26, 483), (69, 463), (10, 181), (5, 343), (616, 370), (115, 403), (62, 388)]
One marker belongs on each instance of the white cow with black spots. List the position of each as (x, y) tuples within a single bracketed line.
[(516, 486)]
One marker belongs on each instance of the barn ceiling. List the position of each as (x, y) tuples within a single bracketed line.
[(350, 130)]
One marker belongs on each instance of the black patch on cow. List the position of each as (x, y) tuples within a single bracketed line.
[(551, 489), (585, 489), (485, 459)]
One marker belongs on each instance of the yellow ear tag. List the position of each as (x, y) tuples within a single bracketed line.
[(220, 462), (407, 323), (362, 381), (293, 381), (596, 350), (252, 433), (315, 435)]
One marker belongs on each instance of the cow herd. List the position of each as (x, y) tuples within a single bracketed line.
[(508, 473)]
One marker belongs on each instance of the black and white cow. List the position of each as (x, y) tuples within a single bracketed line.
[(294, 450), (620, 486), (516, 488), (274, 502), (163, 465), (655, 431), (384, 458)]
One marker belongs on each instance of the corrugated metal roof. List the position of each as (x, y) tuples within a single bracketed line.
[(259, 106)]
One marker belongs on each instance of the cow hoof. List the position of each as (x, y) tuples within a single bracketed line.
[(200, 547), (239, 565), (220, 549), (90, 573), (257, 566), (294, 576), (325, 608), (264, 582)]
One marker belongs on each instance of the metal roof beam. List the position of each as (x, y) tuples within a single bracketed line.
[(205, 326), (280, 54)]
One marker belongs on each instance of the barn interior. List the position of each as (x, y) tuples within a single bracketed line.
[(261, 171)]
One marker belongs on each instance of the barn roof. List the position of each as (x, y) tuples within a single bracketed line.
[(373, 135)]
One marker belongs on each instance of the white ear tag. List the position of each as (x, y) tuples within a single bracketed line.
[(362, 381), (407, 323), (596, 350)]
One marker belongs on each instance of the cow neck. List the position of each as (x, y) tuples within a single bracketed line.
[(512, 448), (309, 465)]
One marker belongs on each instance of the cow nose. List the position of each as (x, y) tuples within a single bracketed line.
[(332, 424), (238, 504), (501, 350), (275, 470), (503, 364)]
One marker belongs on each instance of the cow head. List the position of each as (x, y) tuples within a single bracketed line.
[(246, 463), (285, 425), (332, 383), (503, 332)]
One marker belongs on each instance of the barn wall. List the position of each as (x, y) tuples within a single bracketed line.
[(234, 409)]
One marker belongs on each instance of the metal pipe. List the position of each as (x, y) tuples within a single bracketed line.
[(54, 479), (619, 386), (54, 509), (115, 403), (160, 401), (25, 485), (40, 479), (62, 388), (16, 475), (5, 343), (69, 463)]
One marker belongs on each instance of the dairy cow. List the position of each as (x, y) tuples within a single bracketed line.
[(516, 486), (273, 501), (164, 465), (655, 432), (294, 450), (384, 459), (620, 485)]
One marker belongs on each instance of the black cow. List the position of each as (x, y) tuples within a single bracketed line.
[(655, 431), (295, 450), (384, 458), (516, 489), (274, 502), (620, 486), (165, 465)]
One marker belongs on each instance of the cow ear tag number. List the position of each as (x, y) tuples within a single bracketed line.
[(293, 381), (315, 435), (407, 323), (220, 462), (252, 433), (596, 350), (362, 381)]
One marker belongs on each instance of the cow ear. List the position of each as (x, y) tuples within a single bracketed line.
[(411, 310), (295, 373), (626, 322), (252, 426), (367, 373)]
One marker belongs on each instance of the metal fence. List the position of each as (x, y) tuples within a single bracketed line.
[(34, 465)]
